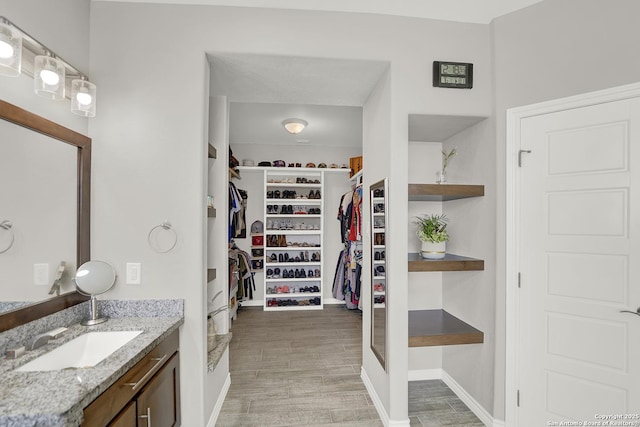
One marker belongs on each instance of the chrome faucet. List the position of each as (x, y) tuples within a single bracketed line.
[(43, 338)]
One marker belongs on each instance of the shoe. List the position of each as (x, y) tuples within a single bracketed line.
[(376, 256), (310, 273), (317, 272), (269, 273), (291, 273), (317, 195)]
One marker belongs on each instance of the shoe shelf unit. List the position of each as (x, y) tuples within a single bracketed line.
[(438, 327), (379, 253), (293, 219)]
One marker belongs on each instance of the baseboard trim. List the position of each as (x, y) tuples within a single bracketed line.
[(475, 407), (218, 406), (425, 374), (384, 417)]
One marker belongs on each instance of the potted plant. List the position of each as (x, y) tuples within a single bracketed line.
[(432, 232)]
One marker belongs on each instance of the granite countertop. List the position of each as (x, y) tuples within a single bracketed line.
[(57, 398)]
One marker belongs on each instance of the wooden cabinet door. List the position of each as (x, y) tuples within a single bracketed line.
[(158, 405), (126, 418)]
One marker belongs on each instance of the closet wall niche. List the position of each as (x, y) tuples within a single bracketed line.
[(333, 184)]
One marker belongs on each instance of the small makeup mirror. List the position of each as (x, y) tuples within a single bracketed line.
[(94, 278)]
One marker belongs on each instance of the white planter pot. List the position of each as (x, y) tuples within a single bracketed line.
[(433, 250)]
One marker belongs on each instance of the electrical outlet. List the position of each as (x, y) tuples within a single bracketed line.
[(41, 274), (133, 273)]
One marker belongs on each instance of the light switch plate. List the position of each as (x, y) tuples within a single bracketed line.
[(41, 274), (133, 273)]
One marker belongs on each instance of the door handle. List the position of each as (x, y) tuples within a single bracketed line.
[(520, 153), (147, 417), (637, 313)]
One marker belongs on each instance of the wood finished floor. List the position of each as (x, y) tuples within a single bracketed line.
[(303, 368)]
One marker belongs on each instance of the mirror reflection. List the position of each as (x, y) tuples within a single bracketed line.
[(379, 212), (39, 198)]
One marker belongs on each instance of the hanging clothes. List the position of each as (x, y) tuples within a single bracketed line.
[(237, 206), (246, 285), (347, 278)]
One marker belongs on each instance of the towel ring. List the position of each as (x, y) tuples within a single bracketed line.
[(162, 245), (6, 225)]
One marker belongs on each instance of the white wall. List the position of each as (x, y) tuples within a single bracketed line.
[(149, 142), (470, 295), (547, 51)]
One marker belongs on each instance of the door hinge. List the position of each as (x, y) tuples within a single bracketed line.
[(518, 398), (518, 280), (520, 153)]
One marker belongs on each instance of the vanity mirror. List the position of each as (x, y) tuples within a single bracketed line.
[(50, 225), (94, 278), (379, 281)]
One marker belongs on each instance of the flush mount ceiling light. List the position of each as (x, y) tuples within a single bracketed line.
[(10, 50), (52, 75), (294, 126)]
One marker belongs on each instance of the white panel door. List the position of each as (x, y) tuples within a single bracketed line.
[(578, 356)]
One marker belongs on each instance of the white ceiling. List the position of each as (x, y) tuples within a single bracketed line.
[(478, 11), (294, 80), (253, 123), (264, 90)]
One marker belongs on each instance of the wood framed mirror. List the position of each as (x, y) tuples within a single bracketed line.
[(32, 122), (379, 282)]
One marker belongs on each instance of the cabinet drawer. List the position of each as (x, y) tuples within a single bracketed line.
[(115, 398)]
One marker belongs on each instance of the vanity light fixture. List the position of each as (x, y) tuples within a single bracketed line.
[(20, 52), (10, 50), (83, 97), (48, 76), (294, 126)]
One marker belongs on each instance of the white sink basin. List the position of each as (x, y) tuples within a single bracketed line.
[(82, 352)]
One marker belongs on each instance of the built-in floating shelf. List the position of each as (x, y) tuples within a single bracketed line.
[(213, 153), (450, 262), (437, 327), (211, 274), (211, 212), (443, 192)]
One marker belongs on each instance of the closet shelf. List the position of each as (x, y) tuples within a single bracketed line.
[(303, 279), (293, 185), (295, 202), (443, 192), (211, 212), (294, 248), (285, 170), (213, 153), (293, 307), (293, 216), (294, 233), (211, 274), (280, 264), (295, 295), (437, 327), (450, 262)]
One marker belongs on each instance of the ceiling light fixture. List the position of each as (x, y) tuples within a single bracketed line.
[(295, 126), (51, 74)]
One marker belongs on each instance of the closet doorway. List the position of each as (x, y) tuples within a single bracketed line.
[(262, 91)]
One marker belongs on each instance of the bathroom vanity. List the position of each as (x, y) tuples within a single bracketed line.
[(138, 379)]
